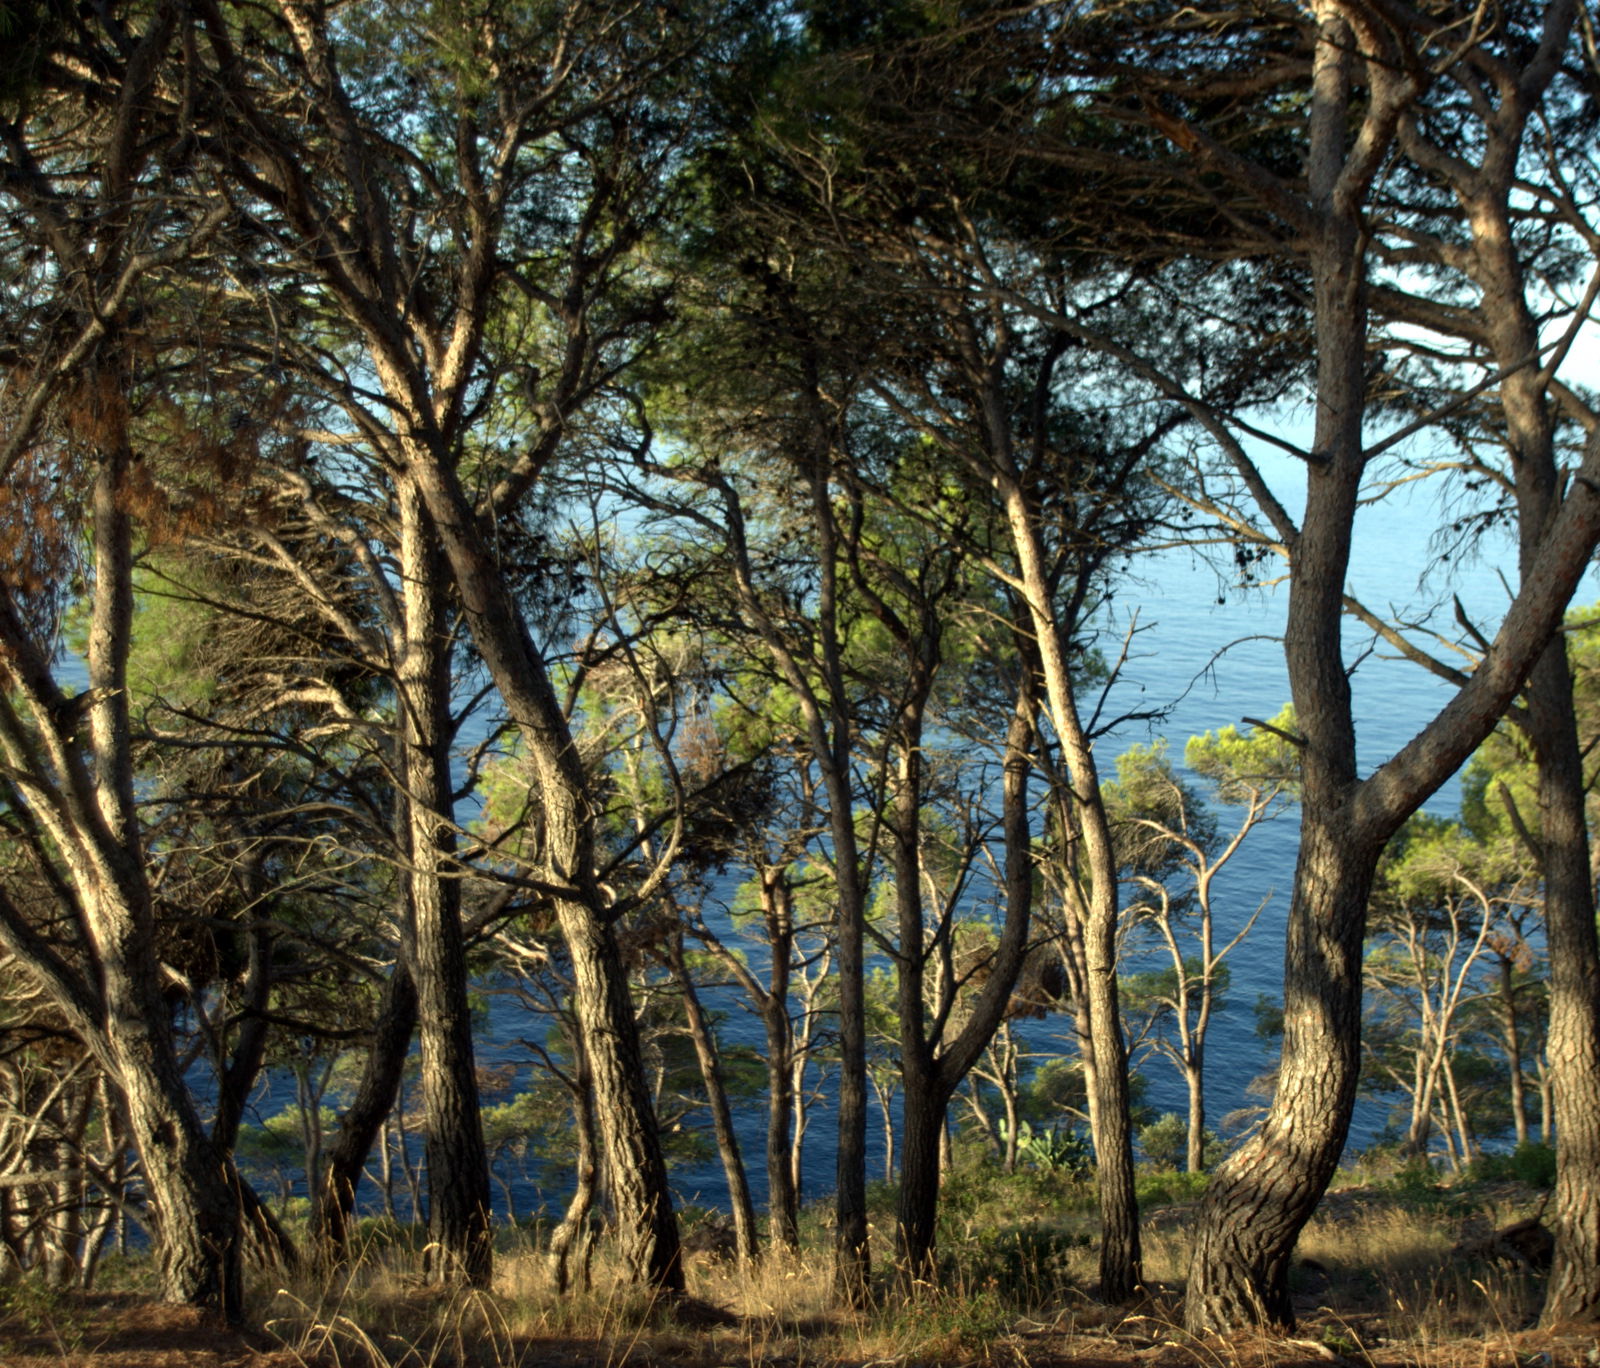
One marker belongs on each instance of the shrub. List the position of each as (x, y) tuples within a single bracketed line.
[(1030, 1261), (1534, 1164), (1161, 1189), (1531, 1163), (1165, 1143)]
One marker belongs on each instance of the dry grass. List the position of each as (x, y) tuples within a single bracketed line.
[(1375, 1284)]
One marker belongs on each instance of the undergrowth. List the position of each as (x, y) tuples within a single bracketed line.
[(1018, 1262)]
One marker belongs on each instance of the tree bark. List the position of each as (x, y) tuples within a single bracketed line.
[(635, 1166), (1548, 721), (933, 1068), (459, 1232), (1257, 1204), (1121, 1271), (574, 1231), (1259, 1201), (87, 804), (783, 1200)]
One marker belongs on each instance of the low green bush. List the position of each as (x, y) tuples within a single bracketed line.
[(1531, 1162), (1163, 1189)]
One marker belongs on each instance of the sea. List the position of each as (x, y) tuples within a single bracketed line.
[(1205, 653)]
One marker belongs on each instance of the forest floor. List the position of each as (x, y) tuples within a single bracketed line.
[(1386, 1276)]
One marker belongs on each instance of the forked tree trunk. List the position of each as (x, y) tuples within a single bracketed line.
[(783, 1201), (430, 376), (1121, 1271), (1573, 1041), (1259, 1201), (636, 1169), (1549, 722), (933, 1069), (825, 706), (190, 1183), (1257, 1204)]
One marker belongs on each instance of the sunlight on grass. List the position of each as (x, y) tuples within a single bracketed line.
[(1018, 1267)]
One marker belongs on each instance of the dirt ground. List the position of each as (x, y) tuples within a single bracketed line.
[(124, 1331)]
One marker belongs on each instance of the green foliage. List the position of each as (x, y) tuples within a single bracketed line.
[(509, 1127), (1241, 764), (1416, 1180), (1428, 860), (1148, 998), (943, 1325), (1148, 790), (1166, 1143), (1165, 1188), (1531, 1162), (1015, 1232), (1269, 1017), (1053, 1094), (978, 1192), (1499, 800), (1055, 1150), (32, 1306), (279, 1138)]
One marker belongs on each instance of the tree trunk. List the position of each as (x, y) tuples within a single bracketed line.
[(192, 1186), (459, 1200), (1260, 1199), (1573, 1042), (932, 1069), (1120, 1264), (1514, 1051), (648, 1229), (917, 1212), (746, 1240), (575, 1232), (1194, 1076), (783, 1201), (364, 1118)]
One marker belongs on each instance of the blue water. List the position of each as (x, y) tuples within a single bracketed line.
[(1209, 654)]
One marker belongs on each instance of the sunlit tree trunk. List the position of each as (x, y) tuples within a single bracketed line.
[(574, 1233), (458, 1166)]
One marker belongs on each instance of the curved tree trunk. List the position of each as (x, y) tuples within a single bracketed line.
[(191, 1184), (1259, 1201), (933, 1074), (1121, 1271), (1549, 722), (363, 1119), (1573, 1042), (783, 1200)]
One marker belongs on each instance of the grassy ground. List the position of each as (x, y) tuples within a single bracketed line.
[(1375, 1283)]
